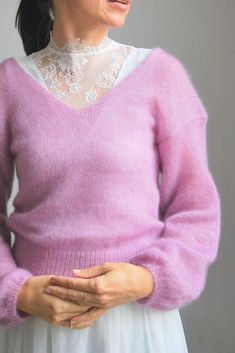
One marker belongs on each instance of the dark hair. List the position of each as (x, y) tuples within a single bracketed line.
[(34, 23)]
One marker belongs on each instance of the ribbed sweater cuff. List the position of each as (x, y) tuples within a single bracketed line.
[(10, 315), (152, 299), (168, 293)]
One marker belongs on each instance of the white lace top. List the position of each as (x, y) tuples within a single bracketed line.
[(78, 72)]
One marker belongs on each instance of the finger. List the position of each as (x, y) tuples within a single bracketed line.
[(74, 296), (64, 293), (69, 306), (64, 323), (92, 315), (93, 271), (80, 325), (82, 284), (69, 315)]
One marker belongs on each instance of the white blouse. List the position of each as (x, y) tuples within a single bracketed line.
[(80, 73)]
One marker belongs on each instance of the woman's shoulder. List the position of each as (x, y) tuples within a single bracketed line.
[(163, 60), (169, 64), (6, 68), (3, 65)]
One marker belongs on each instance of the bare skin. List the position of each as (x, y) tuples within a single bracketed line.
[(88, 19), (106, 285), (32, 299)]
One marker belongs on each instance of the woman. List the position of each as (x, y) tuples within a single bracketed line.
[(109, 142)]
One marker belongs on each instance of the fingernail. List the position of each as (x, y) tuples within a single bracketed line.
[(76, 271), (47, 290), (53, 280), (73, 321)]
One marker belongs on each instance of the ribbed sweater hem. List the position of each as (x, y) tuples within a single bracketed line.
[(46, 260)]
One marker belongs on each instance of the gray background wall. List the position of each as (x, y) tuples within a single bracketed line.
[(202, 35)]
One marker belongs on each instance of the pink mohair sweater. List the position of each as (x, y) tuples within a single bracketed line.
[(125, 179)]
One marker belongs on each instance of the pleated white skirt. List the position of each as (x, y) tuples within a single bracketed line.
[(127, 328)]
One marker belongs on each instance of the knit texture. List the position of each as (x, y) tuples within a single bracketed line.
[(123, 180)]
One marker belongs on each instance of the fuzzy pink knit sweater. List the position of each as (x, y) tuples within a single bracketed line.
[(125, 179)]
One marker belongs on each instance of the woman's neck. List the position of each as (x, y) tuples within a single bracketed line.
[(79, 45)]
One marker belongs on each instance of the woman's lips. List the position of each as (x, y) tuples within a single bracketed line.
[(124, 1), (119, 5)]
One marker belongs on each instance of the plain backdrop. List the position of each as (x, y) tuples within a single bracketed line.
[(202, 35)]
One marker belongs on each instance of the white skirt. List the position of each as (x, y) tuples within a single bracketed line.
[(126, 328)]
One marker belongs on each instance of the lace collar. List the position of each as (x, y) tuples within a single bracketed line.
[(78, 47)]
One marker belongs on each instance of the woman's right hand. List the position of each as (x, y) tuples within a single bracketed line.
[(57, 311)]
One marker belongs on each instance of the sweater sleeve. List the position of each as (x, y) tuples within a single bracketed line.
[(11, 276), (189, 199)]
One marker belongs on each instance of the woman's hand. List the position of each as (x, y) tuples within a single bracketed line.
[(33, 300), (107, 285)]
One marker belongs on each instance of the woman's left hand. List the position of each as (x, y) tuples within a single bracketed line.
[(107, 285)]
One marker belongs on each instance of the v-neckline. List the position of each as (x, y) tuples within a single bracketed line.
[(62, 106)]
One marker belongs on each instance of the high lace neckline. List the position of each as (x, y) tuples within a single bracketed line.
[(78, 46)]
